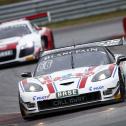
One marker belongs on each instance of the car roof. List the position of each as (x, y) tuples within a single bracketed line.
[(96, 44), (69, 49)]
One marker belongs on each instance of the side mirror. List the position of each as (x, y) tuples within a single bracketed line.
[(26, 74), (120, 59), (38, 28)]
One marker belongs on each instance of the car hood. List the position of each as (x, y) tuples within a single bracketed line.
[(71, 79)]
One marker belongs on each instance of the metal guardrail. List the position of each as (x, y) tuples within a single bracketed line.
[(59, 9)]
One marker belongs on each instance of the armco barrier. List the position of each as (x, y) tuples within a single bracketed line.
[(59, 10)]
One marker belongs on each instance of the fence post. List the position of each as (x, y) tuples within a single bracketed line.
[(49, 17)]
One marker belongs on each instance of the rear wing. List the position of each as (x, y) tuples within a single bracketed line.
[(39, 15), (34, 18), (111, 41), (105, 43)]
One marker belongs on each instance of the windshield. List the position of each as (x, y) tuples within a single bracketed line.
[(90, 59), (14, 30), (73, 60), (52, 65)]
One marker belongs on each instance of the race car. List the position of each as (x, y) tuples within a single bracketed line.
[(72, 77), (21, 41)]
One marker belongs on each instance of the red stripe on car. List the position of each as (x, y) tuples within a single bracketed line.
[(83, 82), (8, 47), (50, 88), (39, 15), (47, 79), (85, 77), (12, 46)]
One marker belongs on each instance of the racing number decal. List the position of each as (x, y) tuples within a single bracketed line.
[(45, 65)]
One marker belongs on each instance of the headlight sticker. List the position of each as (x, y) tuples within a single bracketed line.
[(32, 87)]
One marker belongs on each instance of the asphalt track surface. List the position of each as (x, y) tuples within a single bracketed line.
[(105, 115)]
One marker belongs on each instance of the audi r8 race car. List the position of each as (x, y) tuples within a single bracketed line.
[(71, 77), (20, 41)]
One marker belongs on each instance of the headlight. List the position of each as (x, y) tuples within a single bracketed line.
[(27, 45), (101, 75), (31, 87)]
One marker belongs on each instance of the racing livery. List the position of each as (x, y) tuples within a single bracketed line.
[(20, 41), (72, 77)]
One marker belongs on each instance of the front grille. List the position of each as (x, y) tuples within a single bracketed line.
[(84, 98), (9, 57)]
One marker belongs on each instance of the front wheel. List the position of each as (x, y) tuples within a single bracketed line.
[(122, 86), (22, 110), (122, 92)]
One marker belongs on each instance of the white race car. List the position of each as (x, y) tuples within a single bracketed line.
[(20, 41), (71, 77)]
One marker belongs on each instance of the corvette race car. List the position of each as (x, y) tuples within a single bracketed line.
[(71, 77), (20, 41)]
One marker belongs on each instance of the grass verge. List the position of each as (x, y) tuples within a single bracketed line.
[(5, 2)]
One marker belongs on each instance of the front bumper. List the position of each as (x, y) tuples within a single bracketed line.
[(27, 54), (68, 103)]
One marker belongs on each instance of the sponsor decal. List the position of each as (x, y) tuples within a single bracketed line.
[(110, 42), (69, 101), (40, 98), (67, 93), (96, 88), (70, 52)]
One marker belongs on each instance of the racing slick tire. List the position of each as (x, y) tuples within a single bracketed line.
[(122, 87), (23, 113)]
